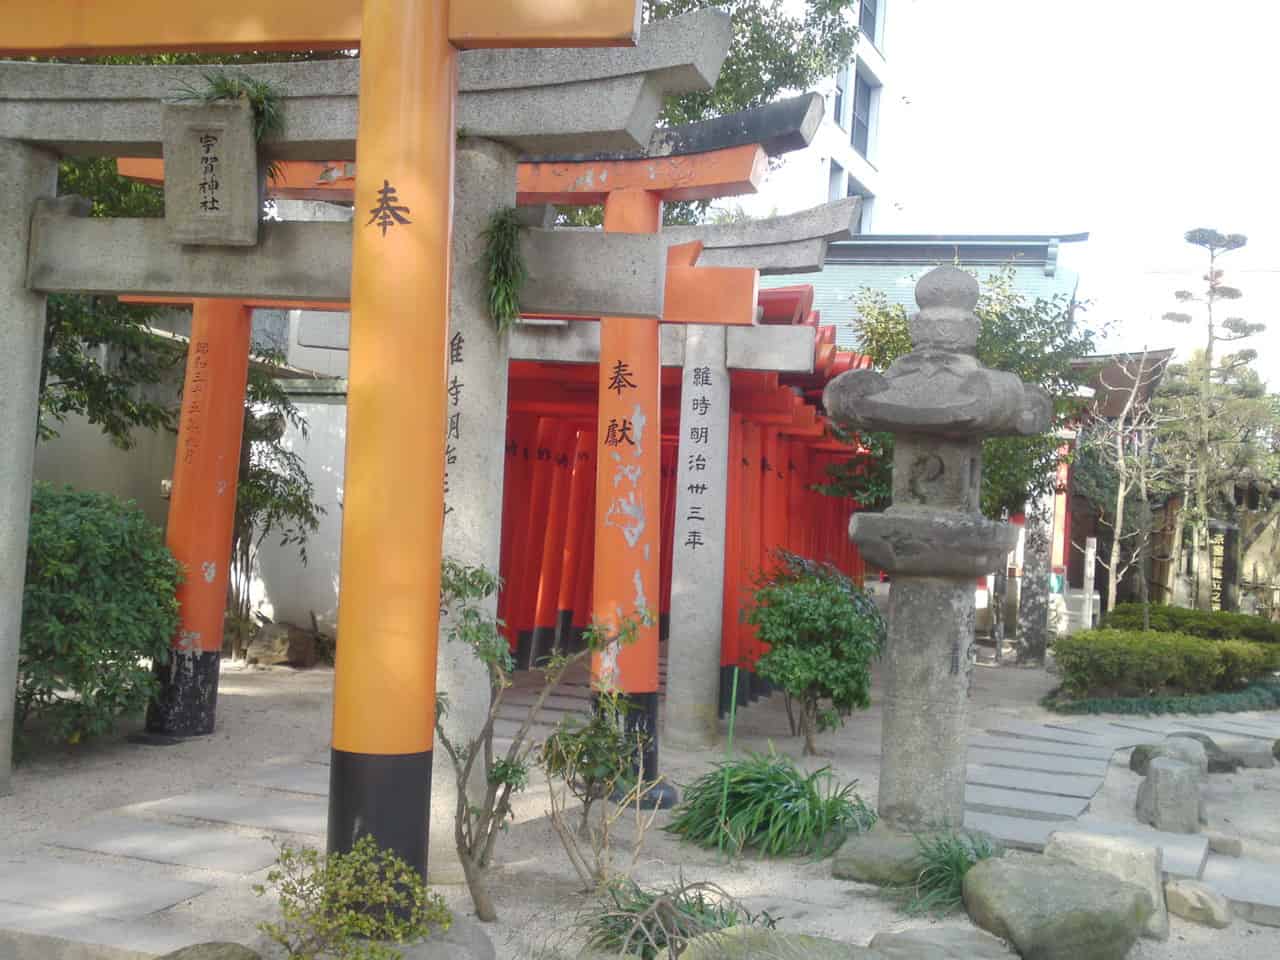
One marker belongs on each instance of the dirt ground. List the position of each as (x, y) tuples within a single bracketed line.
[(281, 715)]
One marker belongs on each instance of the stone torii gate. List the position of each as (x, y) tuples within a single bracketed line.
[(392, 536)]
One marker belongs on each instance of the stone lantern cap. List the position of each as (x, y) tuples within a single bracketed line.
[(940, 388)]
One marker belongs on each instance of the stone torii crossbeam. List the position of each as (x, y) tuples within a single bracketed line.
[(394, 495)]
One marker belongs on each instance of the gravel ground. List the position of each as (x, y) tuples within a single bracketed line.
[(280, 715)]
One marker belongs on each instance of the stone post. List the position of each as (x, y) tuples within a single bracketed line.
[(1033, 598), (697, 568), (485, 181), (940, 402), (26, 175), (1090, 569)]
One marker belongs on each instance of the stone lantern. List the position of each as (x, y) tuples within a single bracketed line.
[(939, 402)]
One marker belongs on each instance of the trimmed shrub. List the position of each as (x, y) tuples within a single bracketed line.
[(1209, 624), (99, 602), (1126, 663), (1261, 695)]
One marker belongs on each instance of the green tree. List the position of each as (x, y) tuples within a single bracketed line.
[(1210, 387), (1037, 339)]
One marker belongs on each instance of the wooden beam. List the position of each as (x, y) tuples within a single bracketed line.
[(721, 295), (544, 23)]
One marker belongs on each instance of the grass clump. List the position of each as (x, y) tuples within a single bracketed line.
[(944, 860), (633, 921), (766, 802)]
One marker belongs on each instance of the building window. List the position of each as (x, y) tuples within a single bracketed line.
[(861, 131), (868, 10), (835, 188), (842, 82)]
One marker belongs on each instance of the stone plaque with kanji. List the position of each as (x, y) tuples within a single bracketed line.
[(211, 194)]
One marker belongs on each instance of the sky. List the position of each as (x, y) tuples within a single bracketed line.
[(1133, 120)]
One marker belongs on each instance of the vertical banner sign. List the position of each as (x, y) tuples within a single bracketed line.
[(1218, 543)]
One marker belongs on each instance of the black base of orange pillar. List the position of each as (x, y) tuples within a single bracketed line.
[(642, 717), (384, 796), (188, 700)]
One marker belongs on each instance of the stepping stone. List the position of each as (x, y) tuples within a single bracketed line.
[(1184, 853), (1116, 734), (1038, 731), (1019, 832), (1047, 763), (77, 888), (1033, 781), (265, 810), (27, 931), (1019, 803), (1015, 745), (1253, 887), (207, 848), (310, 778), (1221, 729)]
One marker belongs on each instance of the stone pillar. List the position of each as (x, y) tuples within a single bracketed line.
[(202, 514), (1033, 600), (26, 175), (697, 568), (940, 402), (1090, 569), (475, 461)]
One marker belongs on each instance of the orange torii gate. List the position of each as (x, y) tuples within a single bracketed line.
[(382, 732)]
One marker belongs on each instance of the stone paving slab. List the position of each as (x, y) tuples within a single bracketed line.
[(1215, 728), (197, 845), (1039, 731), (1045, 747), (310, 778), (1269, 731), (27, 931), (1033, 781), (265, 811), (1023, 804), (1045, 762), (75, 888), (1021, 833), (1253, 887), (1184, 853), (1116, 736)]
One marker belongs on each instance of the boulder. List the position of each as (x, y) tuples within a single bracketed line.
[(1225, 845), (1183, 749), (939, 943), (1194, 901), (881, 856), (1255, 754), (213, 951), (1219, 760), (1052, 910), (1169, 797), (282, 644), (464, 940), (1125, 859), (756, 943)]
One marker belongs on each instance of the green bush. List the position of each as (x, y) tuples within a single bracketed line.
[(822, 632), (1261, 695), (765, 801), (338, 906), (1209, 624), (99, 602), (1126, 663)]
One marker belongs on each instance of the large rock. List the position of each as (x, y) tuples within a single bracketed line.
[(1219, 760), (1182, 749), (213, 951), (1051, 910), (1256, 754), (759, 943), (1194, 901), (939, 943), (1169, 797), (880, 855), (282, 644), (1125, 859), (464, 940)]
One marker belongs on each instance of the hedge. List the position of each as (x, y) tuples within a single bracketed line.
[(1131, 663), (1263, 695), (1209, 624)]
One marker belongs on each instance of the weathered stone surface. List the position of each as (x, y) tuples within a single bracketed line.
[(1219, 760), (282, 644), (1193, 901), (1182, 749), (464, 940), (1169, 797), (213, 951), (1275, 750), (1051, 910), (881, 856), (758, 943), (1255, 754), (778, 348), (1226, 845), (939, 943), (211, 173), (1125, 859)]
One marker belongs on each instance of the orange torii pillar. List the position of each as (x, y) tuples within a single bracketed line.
[(384, 688), (628, 442)]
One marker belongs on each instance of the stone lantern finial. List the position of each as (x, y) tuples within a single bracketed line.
[(947, 298)]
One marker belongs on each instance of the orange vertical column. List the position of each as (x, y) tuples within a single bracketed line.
[(202, 511), (580, 515), (555, 542), (393, 510)]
